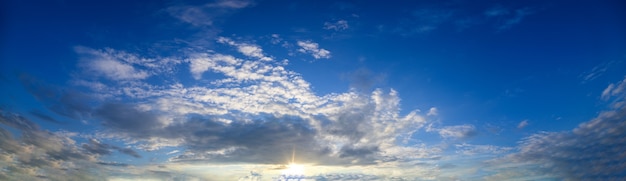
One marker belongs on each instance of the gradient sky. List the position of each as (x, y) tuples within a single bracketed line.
[(230, 90)]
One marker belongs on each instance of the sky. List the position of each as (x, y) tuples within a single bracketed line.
[(312, 90)]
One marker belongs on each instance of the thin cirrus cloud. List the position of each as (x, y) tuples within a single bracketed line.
[(340, 25)]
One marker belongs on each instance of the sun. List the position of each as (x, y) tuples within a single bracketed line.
[(293, 169)]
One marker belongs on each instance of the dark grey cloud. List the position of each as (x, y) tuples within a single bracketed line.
[(96, 147), (116, 164), (269, 140), (128, 119), (36, 152), (593, 151)]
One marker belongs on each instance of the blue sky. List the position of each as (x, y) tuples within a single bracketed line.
[(315, 90)]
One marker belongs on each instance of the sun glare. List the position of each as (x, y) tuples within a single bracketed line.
[(294, 169)]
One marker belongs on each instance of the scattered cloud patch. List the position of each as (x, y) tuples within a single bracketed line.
[(596, 71), (458, 131), (614, 90), (432, 112), (337, 26), (249, 50), (522, 124), (313, 49), (111, 67)]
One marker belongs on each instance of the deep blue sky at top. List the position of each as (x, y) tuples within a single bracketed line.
[(474, 73)]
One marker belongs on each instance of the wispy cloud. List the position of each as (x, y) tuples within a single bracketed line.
[(469, 149), (522, 124), (432, 112), (614, 89), (458, 131), (204, 15), (249, 50), (593, 150), (313, 49), (340, 25), (517, 18), (596, 71)]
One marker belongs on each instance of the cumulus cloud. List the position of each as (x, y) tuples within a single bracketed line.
[(337, 26), (313, 49), (253, 112)]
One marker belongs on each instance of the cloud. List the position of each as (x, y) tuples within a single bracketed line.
[(313, 49), (39, 153), (340, 25), (518, 16), (614, 90), (596, 71), (249, 50), (255, 112), (108, 66), (468, 149), (121, 66), (458, 131), (205, 15), (202, 62), (432, 112), (593, 150), (522, 124), (96, 147)]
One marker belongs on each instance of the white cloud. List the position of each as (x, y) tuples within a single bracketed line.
[(458, 131), (313, 49), (522, 124), (432, 111), (104, 64), (596, 71), (201, 63), (337, 26), (614, 89), (249, 50)]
